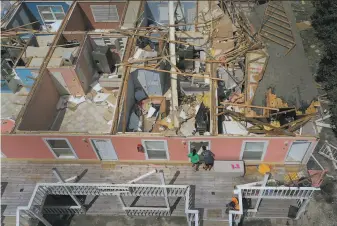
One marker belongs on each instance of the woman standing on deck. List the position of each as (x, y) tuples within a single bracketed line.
[(194, 157)]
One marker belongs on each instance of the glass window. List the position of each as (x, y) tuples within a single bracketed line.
[(59, 16), (57, 9), (51, 13), (156, 149), (47, 16), (297, 151), (61, 148), (105, 13), (254, 150)]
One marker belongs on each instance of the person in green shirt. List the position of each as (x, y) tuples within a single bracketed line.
[(194, 157)]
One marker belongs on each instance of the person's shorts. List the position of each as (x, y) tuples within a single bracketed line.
[(209, 164)]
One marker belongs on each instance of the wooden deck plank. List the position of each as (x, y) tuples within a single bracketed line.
[(211, 189)]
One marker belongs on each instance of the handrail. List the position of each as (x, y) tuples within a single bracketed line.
[(303, 193), (35, 207)]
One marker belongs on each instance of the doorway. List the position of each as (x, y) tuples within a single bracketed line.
[(104, 149)]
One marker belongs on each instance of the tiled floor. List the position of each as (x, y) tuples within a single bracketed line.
[(88, 117), (11, 103)]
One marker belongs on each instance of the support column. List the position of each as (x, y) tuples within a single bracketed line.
[(302, 208), (61, 180), (264, 183), (40, 218), (174, 77), (121, 200), (162, 179)]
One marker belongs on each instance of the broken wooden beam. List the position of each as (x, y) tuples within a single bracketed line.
[(282, 112), (258, 122), (156, 38), (179, 73), (246, 106)]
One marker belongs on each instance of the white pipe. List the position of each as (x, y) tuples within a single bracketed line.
[(142, 177), (174, 78)]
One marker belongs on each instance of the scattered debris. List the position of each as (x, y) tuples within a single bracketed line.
[(304, 25)]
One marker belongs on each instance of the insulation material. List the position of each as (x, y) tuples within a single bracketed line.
[(233, 127), (223, 29), (275, 102), (255, 64)]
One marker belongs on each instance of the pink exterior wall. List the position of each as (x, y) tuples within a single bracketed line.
[(70, 77), (224, 148), (25, 147)]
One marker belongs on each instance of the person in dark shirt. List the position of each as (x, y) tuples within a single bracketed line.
[(208, 158)]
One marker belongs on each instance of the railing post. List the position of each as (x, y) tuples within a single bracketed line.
[(40, 218), (265, 180), (162, 179), (59, 177)]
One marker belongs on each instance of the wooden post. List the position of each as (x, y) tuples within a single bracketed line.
[(156, 38), (179, 73), (246, 106), (68, 189), (14, 28)]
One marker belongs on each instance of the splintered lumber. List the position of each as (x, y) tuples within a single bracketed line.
[(156, 38), (8, 46), (298, 125), (258, 122), (282, 112), (143, 60), (179, 73), (297, 121), (207, 61), (247, 106), (14, 28)]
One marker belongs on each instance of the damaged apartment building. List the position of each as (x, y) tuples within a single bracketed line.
[(152, 80)]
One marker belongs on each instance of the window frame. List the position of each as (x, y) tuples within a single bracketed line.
[(105, 21), (60, 157), (204, 141), (51, 11), (266, 143), (304, 156), (96, 151), (166, 150)]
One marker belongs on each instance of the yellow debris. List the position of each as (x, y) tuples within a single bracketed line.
[(311, 109), (263, 169), (274, 101), (206, 98), (291, 177)]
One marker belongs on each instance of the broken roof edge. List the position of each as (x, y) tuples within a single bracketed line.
[(158, 135), (43, 68)]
